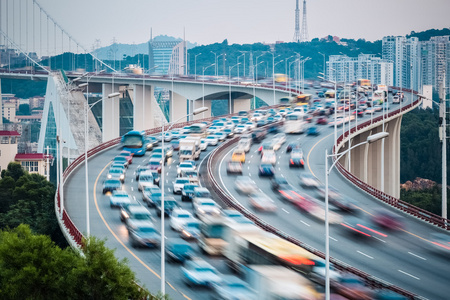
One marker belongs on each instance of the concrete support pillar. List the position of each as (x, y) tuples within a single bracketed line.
[(374, 162), (1, 105), (240, 104), (143, 100), (178, 107), (394, 155), (110, 113), (199, 103)]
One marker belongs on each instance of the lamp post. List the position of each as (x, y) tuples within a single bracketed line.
[(286, 67), (256, 67), (370, 139), (203, 85), (163, 133), (215, 63), (254, 84), (243, 53), (229, 85), (88, 107), (273, 79), (238, 66), (324, 70), (195, 64), (289, 77), (335, 106)]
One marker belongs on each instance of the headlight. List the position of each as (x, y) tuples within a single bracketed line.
[(122, 176), (109, 176)]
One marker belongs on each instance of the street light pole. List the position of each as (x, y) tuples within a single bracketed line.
[(370, 139), (256, 66), (163, 133), (215, 63), (289, 77), (203, 86), (229, 85), (238, 66), (254, 84), (195, 64), (273, 79)]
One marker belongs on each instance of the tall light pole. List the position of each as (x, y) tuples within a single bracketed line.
[(88, 107), (238, 65), (229, 85), (215, 63), (289, 77), (370, 139), (335, 106), (243, 53), (203, 86), (163, 133), (195, 64), (273, 79), (324, 70), (254, 84), (256, 67), (286, 68)]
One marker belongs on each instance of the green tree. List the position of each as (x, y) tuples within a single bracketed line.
[(13, 170)]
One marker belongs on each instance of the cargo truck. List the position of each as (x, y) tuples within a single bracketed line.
[(189, 149)]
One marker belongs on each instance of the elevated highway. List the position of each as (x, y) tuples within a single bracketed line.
[(401, 259)]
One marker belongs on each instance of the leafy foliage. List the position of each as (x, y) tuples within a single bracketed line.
[(429, 199), (33, 267), (427, 34)]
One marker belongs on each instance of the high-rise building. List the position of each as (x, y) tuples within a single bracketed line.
[(341, 68), (435, 58), (167, 56)]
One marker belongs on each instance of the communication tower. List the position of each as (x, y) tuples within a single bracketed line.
[(304, 35), (297, 24)]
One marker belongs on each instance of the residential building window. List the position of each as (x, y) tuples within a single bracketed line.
[(30, 166), (5, 140)]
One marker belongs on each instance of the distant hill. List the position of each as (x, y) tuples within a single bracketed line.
[(426, 35), (123, 50)]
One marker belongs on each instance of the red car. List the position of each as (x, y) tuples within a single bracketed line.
[(322, 121), (128, 155)]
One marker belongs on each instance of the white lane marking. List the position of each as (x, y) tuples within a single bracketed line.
[(417, 256), (132, 189), (379, 239), (282, 175), (132, 179), (279, 169), (305, 223), (332, 238), (409, 274), (251, 156), (249, 174), (134, 197), (365, 254), (248, 167), (285, 210), (168, 189)]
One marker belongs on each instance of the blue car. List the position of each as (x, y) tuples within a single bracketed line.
[(312, 131), (266, 170), (200, 273)]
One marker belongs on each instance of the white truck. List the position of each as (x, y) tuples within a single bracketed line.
[(277, 282), (189, 148)]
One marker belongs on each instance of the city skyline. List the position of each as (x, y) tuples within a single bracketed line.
[(243, 21)]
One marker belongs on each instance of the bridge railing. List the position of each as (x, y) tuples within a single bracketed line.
[(397, 203), (229, 201)]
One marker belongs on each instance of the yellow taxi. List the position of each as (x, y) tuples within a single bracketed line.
[(238, 155)]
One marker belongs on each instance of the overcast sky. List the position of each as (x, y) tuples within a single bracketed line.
[(242, 21)]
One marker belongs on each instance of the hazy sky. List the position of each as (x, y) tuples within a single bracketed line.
[(242, 21)]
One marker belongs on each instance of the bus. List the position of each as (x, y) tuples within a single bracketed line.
[(295, 122), (135, 142), (363, 85), (330, 94), (198, 129), (378, 97), (302, 99)]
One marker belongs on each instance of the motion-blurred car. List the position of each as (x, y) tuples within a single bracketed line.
[(116, 173), (269, 157), (183, 167), (178, 217), (339, 121), (145, 179), (279, 183), (307, 180), (245, 185), (151, 195), (141, 169), (198, 272), (241, 128), (179, 183), (388, 220), (170, 204), (296, 158), (111, 185), (187, 193), (291, 146), (128, 155), (262, 202), (231, 287), (132, 212), (190, 230), (353, 287), (205, 207), (119, 198), (144, 233), (322, 120), (212, 140), (178, 250), (312, 131), (266, 170), (121, 159), (238, 156), (234, 167)]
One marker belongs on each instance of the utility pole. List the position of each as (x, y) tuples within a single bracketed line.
[(443, 131)]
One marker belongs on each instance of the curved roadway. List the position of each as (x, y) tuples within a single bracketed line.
[(401, 258)]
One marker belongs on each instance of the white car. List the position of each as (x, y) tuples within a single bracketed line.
[(184, 167), (262, 202), (179, 183), (206, 207), (250, 125), (212, 129), (212, 140), (256, 117), (203, 144), (241, 128), (245, 185), (145, 179), (308, 180), (178, 218), (244, 145), (269, 157), (119, 198)]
